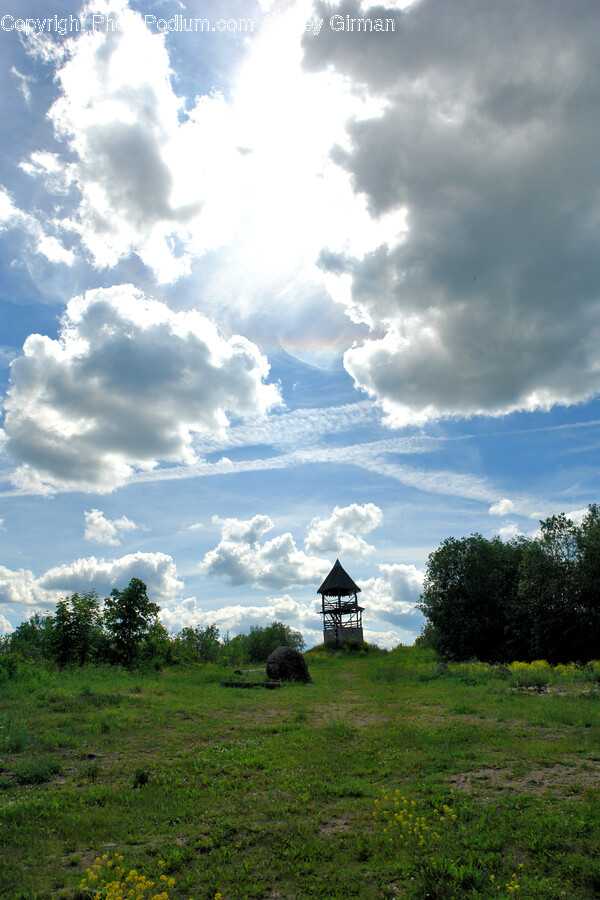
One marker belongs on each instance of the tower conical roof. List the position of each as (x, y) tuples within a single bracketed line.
[(338, 583)]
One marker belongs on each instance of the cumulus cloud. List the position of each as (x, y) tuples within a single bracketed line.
[(156, 570), (509, 531), (118, 115), (148, 173), (388, 598), (23, 593), (140, 169), (50, 247), (127, 382), (103, 530), (389, 639), (392, 596), (9, 214), (502, 507), (577, 515), (488, 140), (301, 616), (21, 587), (247, 531), (277, 563), (340, 533), (239, 618)]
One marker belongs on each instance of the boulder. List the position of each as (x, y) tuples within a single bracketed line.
[(500, 671), (442, 668), (286, 664)]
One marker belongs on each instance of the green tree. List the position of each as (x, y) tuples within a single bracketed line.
[(31, 639), (62, 628), (77, 629), (588, 585), (546, 619), (200, 644), (262, 641), (129, 615), (235, 649), (156, 646), (470, 586), (526, 599)]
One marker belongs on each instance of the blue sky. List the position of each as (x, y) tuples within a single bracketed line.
[(303, 281)]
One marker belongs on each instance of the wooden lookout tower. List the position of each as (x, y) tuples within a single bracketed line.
[(342, 616)]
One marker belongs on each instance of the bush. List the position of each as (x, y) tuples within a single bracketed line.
[(523, 599), (140, 778), (37, 771), (536, 674)]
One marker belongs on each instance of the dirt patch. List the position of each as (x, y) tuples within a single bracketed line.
[(356, 715), (427, 709), (335, 826), (559, 778)]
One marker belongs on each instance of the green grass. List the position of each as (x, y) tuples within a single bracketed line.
[(306, 792)]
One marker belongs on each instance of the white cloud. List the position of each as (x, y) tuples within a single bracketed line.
[(128, 382), (392, 595), (49, 166), (244, 531), (156, 570), (23, 593), (502, 507), (47, 245), (170, 178), (239, 618), (277, 563), (21, 588), (509, 531), (388, 598), (387, 640), (291, 429), (488, 302), (50, 247), (42, 45), (24, 81), (5, 626), (340, 533), (8, 211), (577, 515), (103, 530), (118, 115)]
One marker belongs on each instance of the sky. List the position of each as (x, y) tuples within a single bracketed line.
[(282, 283)]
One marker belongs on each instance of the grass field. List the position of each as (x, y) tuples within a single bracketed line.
[(382, 779)]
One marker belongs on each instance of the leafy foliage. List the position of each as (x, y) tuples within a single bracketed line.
[(31, 639), (261, 642), (524, 599), (125, 630), (128, 616), (77, 629), (469, 586), (199, 644)]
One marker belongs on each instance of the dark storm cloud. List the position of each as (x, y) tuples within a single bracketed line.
[(489, 139)]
